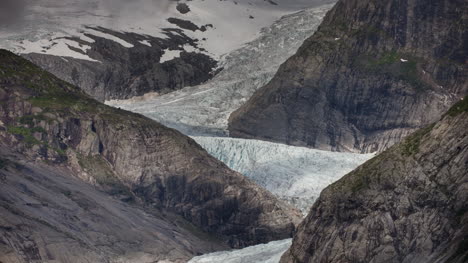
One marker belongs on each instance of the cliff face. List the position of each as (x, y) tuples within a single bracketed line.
[(46, 215), (121, 72), (133, 158), (372, 73), (408, 204)]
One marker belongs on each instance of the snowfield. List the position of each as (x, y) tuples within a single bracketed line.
[(205, 109), (294, 174), (264, 253), (45, 24)]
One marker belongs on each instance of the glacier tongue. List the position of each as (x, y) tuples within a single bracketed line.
[(265, 253), (204, 109), (294, 174)]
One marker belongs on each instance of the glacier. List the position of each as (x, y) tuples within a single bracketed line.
[(205, 109), (264, 253), (296, 175)]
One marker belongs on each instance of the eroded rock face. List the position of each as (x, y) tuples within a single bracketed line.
[(133, 158), (408, 204), (374, 72), (122, 72), (48, 215)]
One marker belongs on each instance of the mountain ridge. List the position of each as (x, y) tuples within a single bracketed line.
[(132, 158), (370, 75)]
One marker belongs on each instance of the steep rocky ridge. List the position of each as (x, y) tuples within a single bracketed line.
[(408, 204), (374, 72), (120, 72), (133, 158), (49, 216)]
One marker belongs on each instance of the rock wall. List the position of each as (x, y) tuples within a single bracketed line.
[(49, 216), (408, 204), (374, 72)]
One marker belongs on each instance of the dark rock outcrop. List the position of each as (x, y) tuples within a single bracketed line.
[(133, 158), (183, 8), (374, 72), (408, 204), (124, 72)]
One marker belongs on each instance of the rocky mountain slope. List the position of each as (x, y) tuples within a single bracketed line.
[(118, 71), (408, 204), (46, 215), (132, 158), (374, 72)]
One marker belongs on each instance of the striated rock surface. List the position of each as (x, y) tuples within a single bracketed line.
[(46, 215), (408, 204), (374, 72), (132, 158)]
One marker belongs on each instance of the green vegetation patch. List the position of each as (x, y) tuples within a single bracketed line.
[(368, 32), (46, 90), (459, 107), (62, 101), (26, 133), (371, 172), (410, 145), (31, 120), (391, 64)]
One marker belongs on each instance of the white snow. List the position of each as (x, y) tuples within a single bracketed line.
[(294, 174), (145, 42), (205, 109), (45, 21), (169, 55), (110, 37), (60, 47), (264, 253)]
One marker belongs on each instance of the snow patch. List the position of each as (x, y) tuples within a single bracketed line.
[(110, 37), (60, 47), (169, 55), (145, 42)]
